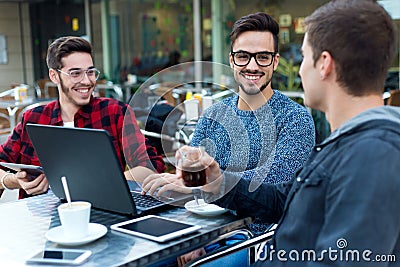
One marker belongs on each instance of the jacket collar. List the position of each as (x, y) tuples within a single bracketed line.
[(366, 119)]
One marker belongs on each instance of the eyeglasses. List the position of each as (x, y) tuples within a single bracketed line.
[(76, 76), (263, 59)]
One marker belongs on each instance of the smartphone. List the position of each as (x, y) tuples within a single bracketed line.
[(33, 171), (60, 256), (155, 228)]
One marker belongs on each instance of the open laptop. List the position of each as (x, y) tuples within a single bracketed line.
[(87, 158)]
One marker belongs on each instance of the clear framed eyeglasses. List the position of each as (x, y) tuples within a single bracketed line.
[(76, 76)]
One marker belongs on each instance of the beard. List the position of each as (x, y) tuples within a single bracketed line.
[(64, 89), (253, 90), (67, 91)]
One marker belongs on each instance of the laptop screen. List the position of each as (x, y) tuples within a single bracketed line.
[(87, 158)]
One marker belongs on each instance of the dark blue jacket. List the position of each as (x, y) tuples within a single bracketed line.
[(343, 205)]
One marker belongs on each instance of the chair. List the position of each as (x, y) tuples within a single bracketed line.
[(253, 247), (110, 90), (4, 122), (45, 88), (394, 98), (7, 111), (157, 120), (160, 127), (163, 90)]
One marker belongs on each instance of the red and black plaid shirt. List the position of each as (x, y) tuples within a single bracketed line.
[(101, 113)]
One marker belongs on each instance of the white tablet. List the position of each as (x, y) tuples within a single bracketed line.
[(30, 169), (155, 228)]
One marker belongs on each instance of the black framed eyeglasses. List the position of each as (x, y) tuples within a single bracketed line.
[(263, 59), (76, 76)]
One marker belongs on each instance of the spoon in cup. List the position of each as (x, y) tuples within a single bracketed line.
[(66, 190)]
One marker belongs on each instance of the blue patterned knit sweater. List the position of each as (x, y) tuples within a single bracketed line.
[(267, 145)]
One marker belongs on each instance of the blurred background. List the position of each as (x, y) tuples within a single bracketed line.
[(141, 37), (135, 39)]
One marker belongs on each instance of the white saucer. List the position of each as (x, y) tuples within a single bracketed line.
[(204, 208), (56, 235)]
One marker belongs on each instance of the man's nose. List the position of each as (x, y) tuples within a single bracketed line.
[(252, 64), (86, 79)]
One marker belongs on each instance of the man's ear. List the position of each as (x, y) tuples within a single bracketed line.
[(276, 61), (54, 77), (326, 64), (231, 61)]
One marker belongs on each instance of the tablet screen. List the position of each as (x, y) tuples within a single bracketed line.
[(155, 228)]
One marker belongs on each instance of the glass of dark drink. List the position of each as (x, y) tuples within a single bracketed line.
[(193, 173), (193, 177)]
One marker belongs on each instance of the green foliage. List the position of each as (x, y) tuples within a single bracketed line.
[(287, 69)]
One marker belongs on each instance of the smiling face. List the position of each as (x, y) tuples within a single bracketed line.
[(72, 93), (252, 78)]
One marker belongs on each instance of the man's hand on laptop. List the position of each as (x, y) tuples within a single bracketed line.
[(161, 183), (36, 186)]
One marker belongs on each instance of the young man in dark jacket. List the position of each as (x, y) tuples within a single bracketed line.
[(342, 207)]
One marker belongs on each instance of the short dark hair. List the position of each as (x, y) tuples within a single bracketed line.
[(260, 22), (361, 37), (65, 46)]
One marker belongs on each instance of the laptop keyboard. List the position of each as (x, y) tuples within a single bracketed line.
[(145, 201)]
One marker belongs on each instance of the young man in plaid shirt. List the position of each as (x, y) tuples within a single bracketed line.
[(70, 63)]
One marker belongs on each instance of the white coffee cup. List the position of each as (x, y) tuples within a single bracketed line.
[(75, 219)]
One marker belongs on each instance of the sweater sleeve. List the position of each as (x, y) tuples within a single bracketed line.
[(200, 131), (295, 140)]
